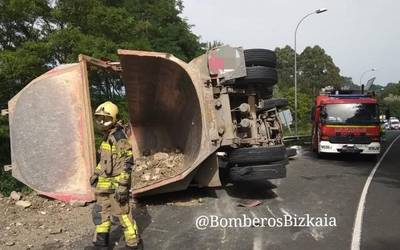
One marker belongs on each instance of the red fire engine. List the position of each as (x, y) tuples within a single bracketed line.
[(346, 123)]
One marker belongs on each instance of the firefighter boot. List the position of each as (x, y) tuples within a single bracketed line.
[(138, 246), (101, 240)]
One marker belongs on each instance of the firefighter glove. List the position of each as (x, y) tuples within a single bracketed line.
[(93, 180)]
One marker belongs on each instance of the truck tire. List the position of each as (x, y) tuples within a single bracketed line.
[(260, 57), (264, 92), (256, 173), (223, 172), (259, 75), (273, 103), (259, 155)]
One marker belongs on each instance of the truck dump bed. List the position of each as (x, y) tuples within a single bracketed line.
[(51, 124), (169, 109)]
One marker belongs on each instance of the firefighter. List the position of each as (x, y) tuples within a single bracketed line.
[(111, 179)]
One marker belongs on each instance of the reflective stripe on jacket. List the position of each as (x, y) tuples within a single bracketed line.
[(116, 160)]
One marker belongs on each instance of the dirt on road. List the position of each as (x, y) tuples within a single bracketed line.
[(50, 224), (35, 222), (32, 221)]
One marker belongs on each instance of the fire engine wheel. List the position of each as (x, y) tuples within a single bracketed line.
[(257, 155), (259, 75), (260, 57), (273, 103), (319, 153)]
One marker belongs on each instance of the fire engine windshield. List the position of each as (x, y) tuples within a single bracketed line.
[(352, 113)]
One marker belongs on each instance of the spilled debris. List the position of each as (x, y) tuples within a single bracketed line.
[(249, 203), (157, 167), (24, 204), (50, 220), (15, 195)]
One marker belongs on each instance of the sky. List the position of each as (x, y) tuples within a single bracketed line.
[(358, 34)]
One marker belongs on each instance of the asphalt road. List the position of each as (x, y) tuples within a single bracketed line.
[(329, 187), (381, 224)]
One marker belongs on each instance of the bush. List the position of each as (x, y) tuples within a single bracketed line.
[(7, 182), (304, 105)]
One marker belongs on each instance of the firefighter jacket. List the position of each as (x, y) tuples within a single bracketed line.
[(116, 161)]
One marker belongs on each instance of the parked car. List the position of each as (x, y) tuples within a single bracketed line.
[(386, 125), (394, 124)]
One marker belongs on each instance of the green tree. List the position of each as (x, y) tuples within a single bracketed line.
[(317, 70), (305, 103), (392, 102), (213, 44), (347, 83), (285, 66), (36, 35), (22, 21), (389, 99), (391, 88), (161, 26)]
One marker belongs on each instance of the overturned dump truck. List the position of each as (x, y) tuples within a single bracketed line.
[(216, 110)]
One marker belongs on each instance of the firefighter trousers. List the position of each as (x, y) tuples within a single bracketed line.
[(107, 206)]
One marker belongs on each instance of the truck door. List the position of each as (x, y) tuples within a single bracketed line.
[(51, 134)]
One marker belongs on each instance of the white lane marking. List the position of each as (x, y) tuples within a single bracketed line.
[(257, 241), (284, 212), (357, 228), (223, 238), (270, 211), (317, 234)]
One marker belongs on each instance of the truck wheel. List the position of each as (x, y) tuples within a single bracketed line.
[(223, 172), (259, 75), (259, 155), (264, 93), (260, 57), (273, 103), (256, 173)]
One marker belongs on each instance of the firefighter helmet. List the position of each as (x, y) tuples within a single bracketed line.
[(106, 115)]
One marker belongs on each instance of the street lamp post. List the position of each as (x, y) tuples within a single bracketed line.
[(319, 11)]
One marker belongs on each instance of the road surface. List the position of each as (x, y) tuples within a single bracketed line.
[(327, 188)]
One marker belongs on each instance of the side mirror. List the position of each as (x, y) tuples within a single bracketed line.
[(323, 114)]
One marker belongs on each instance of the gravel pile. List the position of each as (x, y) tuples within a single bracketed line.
[(30, 221), (157, 167)]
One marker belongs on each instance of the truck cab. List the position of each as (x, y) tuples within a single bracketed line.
[(346, 123)]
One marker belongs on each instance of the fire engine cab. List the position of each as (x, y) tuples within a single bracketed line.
[(346, 123)]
